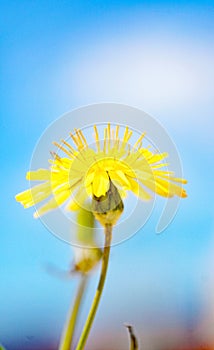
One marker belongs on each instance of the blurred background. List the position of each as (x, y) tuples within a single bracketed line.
[(157, 56)]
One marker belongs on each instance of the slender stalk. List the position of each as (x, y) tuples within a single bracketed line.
[(68, 332), (95, 303), (133, 339)]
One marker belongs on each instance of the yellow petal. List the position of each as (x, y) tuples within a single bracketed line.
[(163, 173), (165, 188), (89, 179), (156, 166), (157, 157), (120, 177), (172, 188), (100, 183), (61, 197), (38, 175), (34, 195), (176, 179), (50, 205), (168, 175), (155, 187), (139, 190)]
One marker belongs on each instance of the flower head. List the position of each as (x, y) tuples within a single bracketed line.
[(91, 172)]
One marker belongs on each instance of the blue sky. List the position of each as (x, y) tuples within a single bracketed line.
[(60, 55)]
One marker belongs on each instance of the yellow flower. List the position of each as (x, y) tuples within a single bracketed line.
[(89, 172)]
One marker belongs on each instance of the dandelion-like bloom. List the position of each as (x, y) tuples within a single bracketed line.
[(87, 172)]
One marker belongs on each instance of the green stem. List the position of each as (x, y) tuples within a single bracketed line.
[(68, 332), (95, 303)]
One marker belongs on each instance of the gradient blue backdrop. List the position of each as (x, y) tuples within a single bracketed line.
[(157, 56)]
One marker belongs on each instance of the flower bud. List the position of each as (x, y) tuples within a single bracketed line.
[(107, 209)]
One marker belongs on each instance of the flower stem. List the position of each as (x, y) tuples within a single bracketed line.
[(95, 303), (68, 332)]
